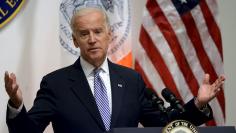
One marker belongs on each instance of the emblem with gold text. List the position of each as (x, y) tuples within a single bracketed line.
[(180, 126), (8, 10)]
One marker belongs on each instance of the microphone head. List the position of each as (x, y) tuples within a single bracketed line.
[(170, 98), (151, 95), (168, 95), (156, 101)]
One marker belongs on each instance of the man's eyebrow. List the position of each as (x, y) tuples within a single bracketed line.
[(82, 31)]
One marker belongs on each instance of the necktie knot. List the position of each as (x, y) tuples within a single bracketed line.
[(96, 71)]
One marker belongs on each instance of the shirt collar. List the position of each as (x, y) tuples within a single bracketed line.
[(88, 68)]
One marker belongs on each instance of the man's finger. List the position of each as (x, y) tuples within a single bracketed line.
[(206, 79), (217, 85), (8, 85), (217, 91), (14, 91), (13, 77), (11, 80), (6, 77), (219, 82)]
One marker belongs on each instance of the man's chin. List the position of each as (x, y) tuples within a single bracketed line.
[(97, 60)]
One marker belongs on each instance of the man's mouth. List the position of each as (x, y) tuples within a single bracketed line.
[(93, 49)]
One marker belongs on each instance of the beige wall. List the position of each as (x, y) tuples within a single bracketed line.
[(10, 61)]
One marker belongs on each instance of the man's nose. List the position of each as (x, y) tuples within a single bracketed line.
[(91, 38)]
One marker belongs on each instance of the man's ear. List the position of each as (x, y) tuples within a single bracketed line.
[(75, 41)]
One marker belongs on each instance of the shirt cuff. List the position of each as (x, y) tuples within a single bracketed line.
[(206, 110), (13, 112)]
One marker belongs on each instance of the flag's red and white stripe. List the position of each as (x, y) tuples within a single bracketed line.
[(176, 51)]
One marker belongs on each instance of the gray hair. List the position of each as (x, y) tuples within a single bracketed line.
[(83, 11)]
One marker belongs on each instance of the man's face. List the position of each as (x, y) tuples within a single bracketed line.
[(92, 36)]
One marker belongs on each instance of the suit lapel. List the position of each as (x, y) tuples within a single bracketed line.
[(82, 90), (117, 89)]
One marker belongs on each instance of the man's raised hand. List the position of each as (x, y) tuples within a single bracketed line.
[(208, 91), (13, 90)]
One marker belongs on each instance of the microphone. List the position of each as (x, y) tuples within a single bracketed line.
[(171, 98), (156, 101)]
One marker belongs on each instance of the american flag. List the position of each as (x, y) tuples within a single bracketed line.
[(179, 42)]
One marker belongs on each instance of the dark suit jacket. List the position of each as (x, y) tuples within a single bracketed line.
[(65, 99)]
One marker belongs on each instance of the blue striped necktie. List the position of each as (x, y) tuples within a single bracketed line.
[(100, 94)]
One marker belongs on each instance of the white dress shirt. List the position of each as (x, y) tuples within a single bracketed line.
[(104, 74)]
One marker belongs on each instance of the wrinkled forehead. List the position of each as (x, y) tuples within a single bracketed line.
[(91, 21)]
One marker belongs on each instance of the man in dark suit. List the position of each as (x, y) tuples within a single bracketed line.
[(71, 100)]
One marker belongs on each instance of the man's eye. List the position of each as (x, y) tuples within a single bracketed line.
[(83, 34), (98, 31)]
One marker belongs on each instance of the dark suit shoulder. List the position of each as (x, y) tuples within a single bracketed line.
[(123, 70), (59, 73)]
